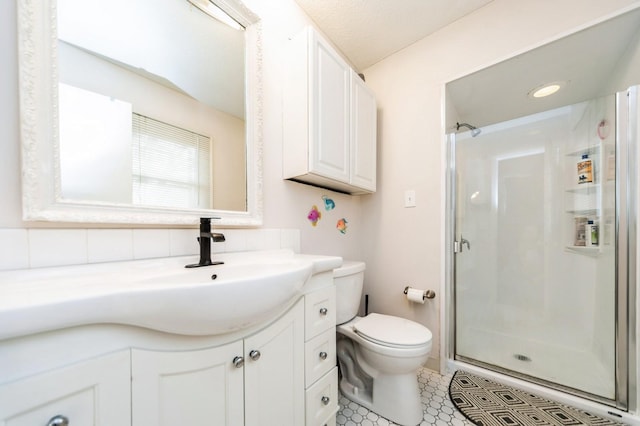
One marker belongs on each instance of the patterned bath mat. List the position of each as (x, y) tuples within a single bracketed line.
[(487, 403)]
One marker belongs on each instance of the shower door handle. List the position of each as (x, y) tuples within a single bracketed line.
[(459, 245)]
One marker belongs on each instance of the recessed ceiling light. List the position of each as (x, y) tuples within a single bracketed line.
[(546, 89)]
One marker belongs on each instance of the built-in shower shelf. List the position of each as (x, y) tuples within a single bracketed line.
[(585, 188), (589, 150), (585, 201), (584, 212), (590, 251)]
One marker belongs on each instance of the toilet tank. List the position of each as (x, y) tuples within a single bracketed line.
[(348, 279)]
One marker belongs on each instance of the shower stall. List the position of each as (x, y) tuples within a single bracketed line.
[(542, 262)]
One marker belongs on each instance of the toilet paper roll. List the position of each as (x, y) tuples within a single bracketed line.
[(415, 295)]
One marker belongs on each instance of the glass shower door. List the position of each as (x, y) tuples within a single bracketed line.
[(535, 262)]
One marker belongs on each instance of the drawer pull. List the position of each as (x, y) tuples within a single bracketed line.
[(323, 355), (325, 400), (254, 355), (323, 311), (58, 420), (238, 362)]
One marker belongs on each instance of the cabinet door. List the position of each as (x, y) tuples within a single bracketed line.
[(363, 135), (194, 388), (274, 373), (94, 392), (329, 81)]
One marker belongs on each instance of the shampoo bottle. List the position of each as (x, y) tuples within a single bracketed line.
[(595, 234), (591, 234), (585, 169), (587, 233)]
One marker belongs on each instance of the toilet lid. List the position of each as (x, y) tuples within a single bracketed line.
[(390, 330)]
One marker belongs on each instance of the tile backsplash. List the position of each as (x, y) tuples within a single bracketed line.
[(37, 248)]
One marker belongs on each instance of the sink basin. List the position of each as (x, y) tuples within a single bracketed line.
[(159, 294)]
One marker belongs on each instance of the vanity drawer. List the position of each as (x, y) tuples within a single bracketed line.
[(320, 311), (320, 355), (322, 399)]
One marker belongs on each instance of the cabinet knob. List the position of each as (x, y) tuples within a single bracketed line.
[(323, 311), (238, 362), (58, 420), (323, 355), (254, 355), (325, 400)]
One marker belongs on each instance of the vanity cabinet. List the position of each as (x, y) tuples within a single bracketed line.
[(278, 371), (244, 382), (329, 119), (91, 393), (260, 379)]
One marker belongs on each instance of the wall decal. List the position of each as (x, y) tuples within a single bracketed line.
[(329, 204), (342, 226), (314, 215)]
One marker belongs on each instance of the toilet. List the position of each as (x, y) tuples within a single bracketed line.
[(378, 355)]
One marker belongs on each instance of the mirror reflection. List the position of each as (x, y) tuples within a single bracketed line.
[(151, 105)]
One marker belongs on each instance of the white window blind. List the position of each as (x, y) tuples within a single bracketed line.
[(170, 165)]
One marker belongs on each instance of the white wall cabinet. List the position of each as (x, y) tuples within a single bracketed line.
[(91, 393), (363, 116), (329, 119)]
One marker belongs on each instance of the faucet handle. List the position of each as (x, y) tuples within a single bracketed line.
[(217, 237)]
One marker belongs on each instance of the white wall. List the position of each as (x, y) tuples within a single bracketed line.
[(286, 204), (406, 246)]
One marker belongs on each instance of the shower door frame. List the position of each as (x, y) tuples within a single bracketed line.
[(626, 188)]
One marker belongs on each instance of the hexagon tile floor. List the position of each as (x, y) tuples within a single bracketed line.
[(438, 410)]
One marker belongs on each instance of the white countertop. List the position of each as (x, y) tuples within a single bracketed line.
[(160, 294)]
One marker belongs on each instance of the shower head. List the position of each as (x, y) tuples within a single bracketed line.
[(474, 130)]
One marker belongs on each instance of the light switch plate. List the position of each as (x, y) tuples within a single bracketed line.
[(410, 198)]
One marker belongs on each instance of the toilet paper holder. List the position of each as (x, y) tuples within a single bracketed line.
[(427, 294)]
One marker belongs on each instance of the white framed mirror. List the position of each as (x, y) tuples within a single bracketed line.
[(178, 134)]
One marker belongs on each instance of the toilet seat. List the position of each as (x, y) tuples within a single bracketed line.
[(393, 332)]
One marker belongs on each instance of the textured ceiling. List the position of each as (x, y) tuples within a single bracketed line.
[(367, 31)]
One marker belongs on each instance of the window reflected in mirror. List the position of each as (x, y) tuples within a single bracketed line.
[(165, 63)]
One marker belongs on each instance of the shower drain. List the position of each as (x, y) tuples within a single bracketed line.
[(521, 357)]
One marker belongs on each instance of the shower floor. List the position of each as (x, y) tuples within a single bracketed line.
[(563, 365)]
